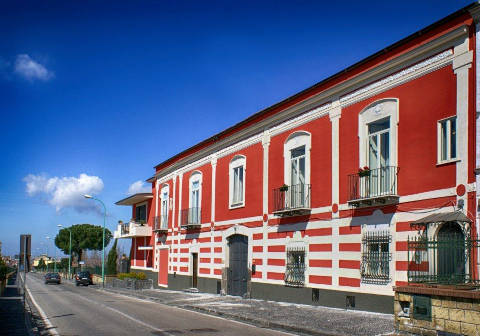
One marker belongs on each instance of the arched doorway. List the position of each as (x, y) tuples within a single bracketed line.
[(238, 265), (451, 253)]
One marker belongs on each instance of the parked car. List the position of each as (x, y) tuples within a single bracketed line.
[(52, 278), (83, 278)]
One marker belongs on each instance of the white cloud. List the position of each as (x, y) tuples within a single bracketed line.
[(138, 187), (65, 192), (30, 69)]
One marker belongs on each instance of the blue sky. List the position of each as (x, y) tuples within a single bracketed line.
[(93, 94)]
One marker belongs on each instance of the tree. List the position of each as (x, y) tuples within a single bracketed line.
[(112, 259), (41, 264), (84, 237), (63, 264), (3, 269)]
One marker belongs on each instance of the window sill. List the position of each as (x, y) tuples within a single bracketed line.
[(236, 206), (441, 163)]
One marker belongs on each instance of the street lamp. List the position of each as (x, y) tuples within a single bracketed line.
[(103, 236), (70, 249)]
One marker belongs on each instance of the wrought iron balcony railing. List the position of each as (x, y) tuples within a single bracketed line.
[(449, 261), (191, 217), (161, 223), (291, 199), (373, 185)]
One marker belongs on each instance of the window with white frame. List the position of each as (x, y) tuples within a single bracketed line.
[(195, 199), (237, 181), (376, 256), (296, 171), (164, 207), (447, 139), (295, 266), (378, 129)]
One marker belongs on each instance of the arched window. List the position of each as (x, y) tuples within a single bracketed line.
[(295, 194), (297, 158), (237, 178), (164, 196), (195, 198), (378, 146)]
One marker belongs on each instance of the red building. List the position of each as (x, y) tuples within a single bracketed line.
[(314, 200)]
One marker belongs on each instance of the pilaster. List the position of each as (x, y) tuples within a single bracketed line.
[(462, 62)]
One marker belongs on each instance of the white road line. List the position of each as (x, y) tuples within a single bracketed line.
[(112, 309), (197, 312), (171, 307), (51, 329), (125, 315)]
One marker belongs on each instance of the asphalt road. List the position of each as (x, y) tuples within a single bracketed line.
[(82, 310)]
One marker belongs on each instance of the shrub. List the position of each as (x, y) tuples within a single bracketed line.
[(132, 275)]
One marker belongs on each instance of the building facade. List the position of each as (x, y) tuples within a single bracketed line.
[(312, 200)]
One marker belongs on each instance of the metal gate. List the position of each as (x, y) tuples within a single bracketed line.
[(238, 266)]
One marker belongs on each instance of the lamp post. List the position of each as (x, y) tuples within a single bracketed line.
[(70, 250), (103, 236)]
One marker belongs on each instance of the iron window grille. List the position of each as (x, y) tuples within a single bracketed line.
[(376, 257), (295, 268)]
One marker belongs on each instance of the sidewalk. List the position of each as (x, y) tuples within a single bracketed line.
[(295, 318), (12, 317)]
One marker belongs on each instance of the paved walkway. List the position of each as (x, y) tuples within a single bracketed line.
[(301, 319), (12, 317)]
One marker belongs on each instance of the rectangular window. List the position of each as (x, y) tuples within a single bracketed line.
[(447, 139), (295, 268), (376, 257), (141, 213), (237, 185)]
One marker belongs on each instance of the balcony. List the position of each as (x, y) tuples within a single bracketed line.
[(291, 200), (161, 224), (132, 229), (191, 217), (373, 187)]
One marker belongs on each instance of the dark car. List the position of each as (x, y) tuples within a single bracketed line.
[(83, 278), (53, 278)]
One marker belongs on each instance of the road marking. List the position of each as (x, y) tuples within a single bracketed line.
[(164, 332), (51, 329), (168, 306), (197, 312), (125, 315)]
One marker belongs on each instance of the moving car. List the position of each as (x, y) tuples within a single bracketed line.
[(52, 278), (83, 278)]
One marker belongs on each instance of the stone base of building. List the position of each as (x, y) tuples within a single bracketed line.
[(323, 297), (437, 311)]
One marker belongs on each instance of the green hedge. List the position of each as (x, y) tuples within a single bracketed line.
[(132, 275)]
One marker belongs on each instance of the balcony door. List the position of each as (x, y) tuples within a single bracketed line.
[(379, 156), (164, 207), (195, 205), (297, 178)]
